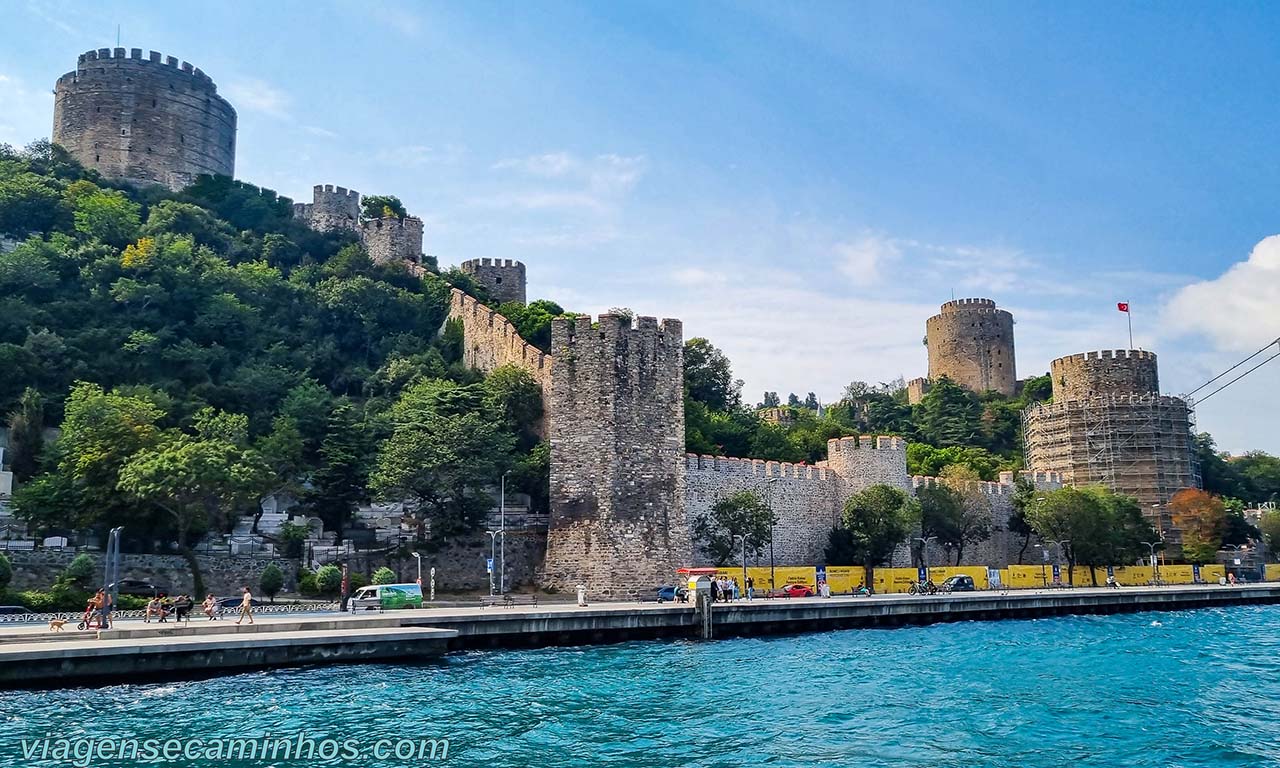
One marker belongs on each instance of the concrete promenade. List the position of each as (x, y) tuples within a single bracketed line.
[(33, 656)]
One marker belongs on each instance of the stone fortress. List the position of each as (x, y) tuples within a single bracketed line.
[(970, 341), (624, 494), (144, 120), (1108, 424)]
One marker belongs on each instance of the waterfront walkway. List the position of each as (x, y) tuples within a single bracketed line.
[(32, 655)]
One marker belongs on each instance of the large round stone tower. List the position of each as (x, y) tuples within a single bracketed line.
[(1122, 372), (971, 343), (144, 120)]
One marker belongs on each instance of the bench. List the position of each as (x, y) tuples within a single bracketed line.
[(508, 600)]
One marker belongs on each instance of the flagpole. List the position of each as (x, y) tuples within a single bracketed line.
[(1128, 313)]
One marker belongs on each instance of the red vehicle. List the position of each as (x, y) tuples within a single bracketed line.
[(795, 590)]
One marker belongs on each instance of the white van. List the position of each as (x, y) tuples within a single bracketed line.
[(384, 596)]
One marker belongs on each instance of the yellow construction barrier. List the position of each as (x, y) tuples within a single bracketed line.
[(1273, 572)]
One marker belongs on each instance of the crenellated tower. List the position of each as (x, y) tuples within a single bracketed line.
[(617, 455), (971, 342), (143, 120), (332, 209), (392, 239), (504, 279)]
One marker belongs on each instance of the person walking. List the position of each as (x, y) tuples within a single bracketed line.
[(582, 595), (246, 606)]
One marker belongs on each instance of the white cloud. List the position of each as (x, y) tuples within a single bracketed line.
[(563, 181), (551, 164), (1240, 309), (258, 96), (862, 259), (25, 113), (316, 130), (418, 155)]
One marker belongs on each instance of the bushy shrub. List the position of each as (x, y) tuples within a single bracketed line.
[(358, 580), (291, 538), (384, 575), (81, 572), (328, 580), (271, 581), (6, 573), (307, 584)]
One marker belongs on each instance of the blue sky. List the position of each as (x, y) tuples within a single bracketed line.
[(802, 183)]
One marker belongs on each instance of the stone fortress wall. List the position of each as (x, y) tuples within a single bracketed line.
[(1119, 372), (147, 120), (617, 455), (504, 279), (490, 341)]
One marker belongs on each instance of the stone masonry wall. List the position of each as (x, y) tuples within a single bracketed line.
[(223, 575), (802, 497), (460, 566), (144, 120), (617, 456), (490, 341)]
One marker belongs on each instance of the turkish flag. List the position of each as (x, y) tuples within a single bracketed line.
[(1123, 306)]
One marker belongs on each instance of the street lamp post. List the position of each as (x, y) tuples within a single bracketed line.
[(418, 556), (924, 553), (493, 544), (502, 529), (1155, 568), (768, 494), (1044, 560)]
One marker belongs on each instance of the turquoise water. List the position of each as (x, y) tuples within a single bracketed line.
[(1195, 688)]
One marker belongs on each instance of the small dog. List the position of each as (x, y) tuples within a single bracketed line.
[(55, 625)]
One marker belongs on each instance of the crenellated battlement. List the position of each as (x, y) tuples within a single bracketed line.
[(583, 331), (96, 61), (965, 305), (1039, 479), (1106, 354), (328, 190), (473, 263), (972, 486), (756, 468), (865, 442)]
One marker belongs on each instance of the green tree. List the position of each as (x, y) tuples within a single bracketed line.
[(1024, 497), (340, 483), (271, 581), (876, 520), (26, 435), (443, 454), (515, 397), (738, 525), (197, 479), (29, 203), (949, 415), (6, 573), (954, 517), (1270, 525), (81, 572), (382, 207), (771, 400), (708, 378), (384, 575), (108, 217)]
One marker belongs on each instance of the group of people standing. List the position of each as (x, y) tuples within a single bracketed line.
[(725, 589)]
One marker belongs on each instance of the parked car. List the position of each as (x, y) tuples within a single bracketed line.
[(795, 590), (137, 588), (958, 584), (13, 610), (671, 593)]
